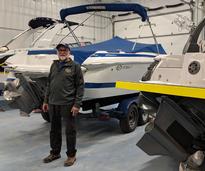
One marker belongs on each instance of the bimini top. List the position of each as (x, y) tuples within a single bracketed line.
[(136, 8)]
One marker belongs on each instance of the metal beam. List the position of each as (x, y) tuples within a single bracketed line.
[(8, 28), (154, 15), (164, 35)]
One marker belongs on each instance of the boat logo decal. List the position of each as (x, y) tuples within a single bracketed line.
[(96, 7), (120, 67)]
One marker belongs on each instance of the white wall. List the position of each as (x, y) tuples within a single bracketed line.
[(170, 35), (15, 14)]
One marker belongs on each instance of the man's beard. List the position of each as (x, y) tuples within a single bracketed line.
[(63, 58)]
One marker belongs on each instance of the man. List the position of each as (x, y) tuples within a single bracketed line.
[(62, 100)]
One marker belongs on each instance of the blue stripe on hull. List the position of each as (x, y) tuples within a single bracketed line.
[(99, 85), (44, 52), (122, 55), (10, 79), (54, 52)]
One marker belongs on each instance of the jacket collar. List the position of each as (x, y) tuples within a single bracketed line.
[(67, 63)]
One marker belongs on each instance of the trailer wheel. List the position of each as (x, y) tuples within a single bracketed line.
[(45, 116), (129, 123)]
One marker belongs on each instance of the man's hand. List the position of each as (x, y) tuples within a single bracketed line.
[(75, 111), (45, 107)]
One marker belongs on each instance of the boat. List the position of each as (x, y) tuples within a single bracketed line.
[(25, 40), (173, 93), (102, 63)]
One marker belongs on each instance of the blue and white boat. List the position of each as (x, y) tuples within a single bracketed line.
[(102, 63)]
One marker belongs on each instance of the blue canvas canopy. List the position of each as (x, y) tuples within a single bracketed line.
[(113, 45), (136, 8)]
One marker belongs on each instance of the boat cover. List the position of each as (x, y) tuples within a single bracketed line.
[(113, 45)]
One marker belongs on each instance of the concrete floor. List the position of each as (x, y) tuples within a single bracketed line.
[(101, 146)]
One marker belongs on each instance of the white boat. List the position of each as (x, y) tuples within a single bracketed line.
[(173, 89), (102, 72), (102, 65)]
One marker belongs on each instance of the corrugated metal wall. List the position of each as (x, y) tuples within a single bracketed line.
[(170, 25), (15, 14)]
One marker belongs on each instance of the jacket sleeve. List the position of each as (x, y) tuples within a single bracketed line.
[(47, 92), (79, 83)]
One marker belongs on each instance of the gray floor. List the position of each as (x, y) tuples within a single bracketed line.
[(101, 146)]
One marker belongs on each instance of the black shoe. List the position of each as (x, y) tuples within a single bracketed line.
[(51, 158)]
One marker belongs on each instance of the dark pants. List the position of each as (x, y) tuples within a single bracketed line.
[(56, 112)]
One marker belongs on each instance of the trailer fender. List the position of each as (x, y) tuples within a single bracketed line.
[(125, 104)]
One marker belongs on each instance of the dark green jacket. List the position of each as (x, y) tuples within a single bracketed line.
[(65, 84)]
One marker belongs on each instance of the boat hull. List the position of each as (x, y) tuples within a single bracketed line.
[(100, 81), (100, 73)]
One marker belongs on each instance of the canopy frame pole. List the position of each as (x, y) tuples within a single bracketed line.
[(72, 30), (17, 36), (154, 37), (137, 37), (41, 34)]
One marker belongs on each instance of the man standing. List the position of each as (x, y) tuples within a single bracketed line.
[(62, 100)]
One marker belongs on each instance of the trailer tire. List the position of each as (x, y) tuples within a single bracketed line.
[(130, 122), (45, 116)]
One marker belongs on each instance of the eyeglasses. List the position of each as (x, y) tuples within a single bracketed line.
[(62, 50)]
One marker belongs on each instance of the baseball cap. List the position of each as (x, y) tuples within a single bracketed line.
[(65, 45)]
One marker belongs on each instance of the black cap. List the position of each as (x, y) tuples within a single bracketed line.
[(65, 45)]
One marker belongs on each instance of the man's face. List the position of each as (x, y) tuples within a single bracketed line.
[(63, 53)]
